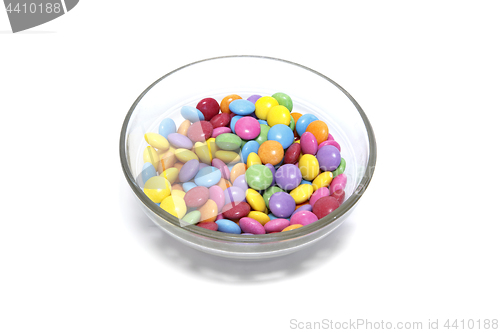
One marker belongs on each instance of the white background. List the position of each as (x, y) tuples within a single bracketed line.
[(78, 255)]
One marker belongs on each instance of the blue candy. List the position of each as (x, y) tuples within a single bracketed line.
[(263, 122), (281, 133), (228, 226), (148, 171), (192, 114), (242, 107), (167, 126), (271, 216), (303, 122), (249, 147), (188, 185), (208, 176), (305, 182), (234, 120)]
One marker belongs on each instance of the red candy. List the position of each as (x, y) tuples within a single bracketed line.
[(209, 107), (325, 206), (220, 120), (208, 225), (339, 195), (292, 154), (197, 196), (235, 210), (200, 131)]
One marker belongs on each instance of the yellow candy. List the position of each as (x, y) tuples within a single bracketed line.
[(212, 147), (278, 115), (227, 156), (171, 174), (323, 180), (178, 193), (253, 159), (157, 141), (203, 152), (184, 155), (157, 188), (260, 217), (255, 200), (302, 193), (263, 105), (150, 155), (309, 166), (174, 205)]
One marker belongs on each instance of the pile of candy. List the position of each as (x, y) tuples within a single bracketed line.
[(244, 166)]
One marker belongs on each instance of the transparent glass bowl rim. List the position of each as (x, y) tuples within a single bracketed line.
[(266, 238)]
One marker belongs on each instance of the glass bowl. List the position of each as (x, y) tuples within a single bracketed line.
[(311, 92)]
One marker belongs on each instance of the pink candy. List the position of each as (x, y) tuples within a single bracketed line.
[(338, 183), (220, 130), (276, 225), (308, 143), (303, 217), (319, 193), (251, 226), (217, 195), (247, 128)]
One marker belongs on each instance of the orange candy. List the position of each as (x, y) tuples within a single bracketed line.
[(177, 187), (237, 170), (224, 104), (208, 211), (178, 166), (291, 227), (271, 151), (319, 129), (224, 183), (295, 116), (183, 127)]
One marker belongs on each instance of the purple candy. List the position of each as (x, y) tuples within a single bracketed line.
[(224, 170), (303, 208), (241, 182), (288, 177), (273, 171), (328, 158), (189, 170), (234, 194), (180, 141), (253, 98), (217, 195), (202, 165), (281, 204)]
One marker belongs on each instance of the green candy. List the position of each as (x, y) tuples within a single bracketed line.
[(228, 141), (259, 177), (284, 99), (192, 217), (269, 192), (263, 134), (340, 169), (292, 123), (243, 142)]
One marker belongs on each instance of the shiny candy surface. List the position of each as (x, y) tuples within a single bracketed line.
[(233, 122), (220, 120), (209, 225), (251, 226), (309, 167), (288, 177), (325, 206), (222, 166), (241, 182), (237, 170), (258, 177), (241, 107), (175, 206), (284, 99), (282, 134), (224, 104), (269, 192), (228, 141), (207, 177), (200, 131), (303, 218), (340, 169), (292, 227), (308, 143), (264, 130), (302, 193), (319, 129), (217, 195), (255, 200), (273, 171), (189, 170), (328, 158), (292, 154), (322, 180), (263, 105), (303, 122), (185, 155), (171, 175), (235, 210), (192, 114), (339, 195), (281, 204), (247, 128), (253, 98), (188, 185), (167, 126), (148, 171), (151, 156), (276, 225), (233, 194), (227, 156), (192, 217), (180, 141), (201, 150), (156, 141), (278, 115), (261, 217), (253, 159), (228, 226), (157, 188), (338, 183), (196, 197), (319, 193), (249, 147), (183, 127), (209, 211), (209, 107), (271, 152), (220, 130)]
